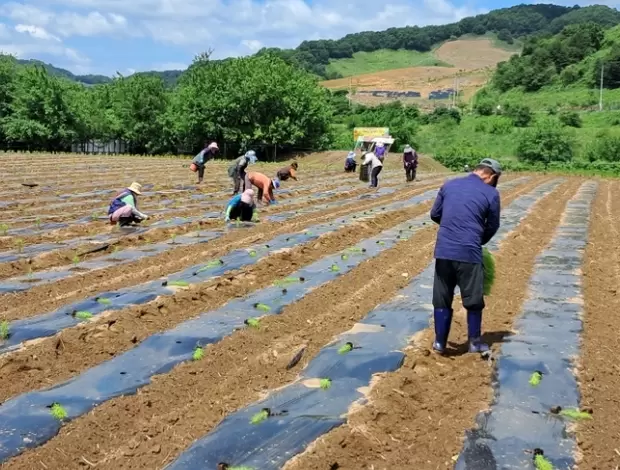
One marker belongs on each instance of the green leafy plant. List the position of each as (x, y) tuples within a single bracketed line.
[(210, 265), (252, 253), (540, 461), (334, 268), (19, 245), (58, 412), (536, 378), (103, 301), (4, 330), (4, 229), (261, 416), (326, 383), (287, 281), (178, 283), (83, 315), (262, 307), (572, 413), (75, 259), (252, 322), (37, 223), (488, 263), (198, 354), (347, 347)]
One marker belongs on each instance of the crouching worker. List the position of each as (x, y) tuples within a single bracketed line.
[(241, 207), (264, 185), (237, 170), (350, 164), (124, 208), (288, 172)]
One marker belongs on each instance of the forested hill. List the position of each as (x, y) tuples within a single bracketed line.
[(508, 23)]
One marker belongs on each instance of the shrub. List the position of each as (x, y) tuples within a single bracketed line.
[(521, 115), (484, 107), (606, 148), (499, 125), (458, 155), (570, 119), (546, 142)]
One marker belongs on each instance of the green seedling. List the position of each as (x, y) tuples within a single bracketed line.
[(347, 347), (58, 412), (178, 283), (19, 245), (381, 242), (211, 265), (94, 216), (326, 383), (540, 461), (536, 378), (103, 301), (37, 222), (344, 257), (252, 253), (488, 262), (198, 354), (287, 281), (252, 322), (355, 249), (173, 239), (4, 229), (334, 268), (572, 413), (255, 217), (83, 315), (4, 330), (75, 259), (261, 416), (262, 307)]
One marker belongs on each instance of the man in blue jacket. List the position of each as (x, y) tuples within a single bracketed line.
[(467, 211)]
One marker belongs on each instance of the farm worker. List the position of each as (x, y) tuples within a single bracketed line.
[(380, 151), (206, 154), (288, 172), (467, 210), (264, 185), (124, 207), (410, 162), (376, 165), (350, 164), (237, 170), (241, 207)]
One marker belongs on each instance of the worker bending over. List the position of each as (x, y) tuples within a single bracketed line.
[(288, 172), (237, 170), (241, 207), (206, 154), (264, 185), (124, 207), (410, 163), (376, 165), (350, 164), (468, 211)]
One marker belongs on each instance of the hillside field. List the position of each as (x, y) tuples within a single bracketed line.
[(471, 60)]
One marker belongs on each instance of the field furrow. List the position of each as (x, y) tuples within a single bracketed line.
[(430, 401), (295, 315)]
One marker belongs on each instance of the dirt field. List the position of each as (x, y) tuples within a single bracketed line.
[(121, 350), (473, 61)]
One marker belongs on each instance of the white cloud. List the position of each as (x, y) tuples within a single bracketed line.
[(252, 44), (4, 31), (36, 32), (92, 24)]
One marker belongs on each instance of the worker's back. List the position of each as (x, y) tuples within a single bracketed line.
[(467, 203)]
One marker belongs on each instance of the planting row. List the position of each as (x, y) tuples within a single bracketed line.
[(536, 391), (159, 353), (268, 433)]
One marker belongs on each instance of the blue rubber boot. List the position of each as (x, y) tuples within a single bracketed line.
[(443, 321), (474, 332)]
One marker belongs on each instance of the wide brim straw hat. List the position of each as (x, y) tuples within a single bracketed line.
[(247, 196), (135, 188)]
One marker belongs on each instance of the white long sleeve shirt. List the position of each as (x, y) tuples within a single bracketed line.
[(374, 161)]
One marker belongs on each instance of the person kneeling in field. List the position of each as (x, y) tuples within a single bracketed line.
[(241, 207), (264, 185), (288, 172), (124, 207), (350, 164)]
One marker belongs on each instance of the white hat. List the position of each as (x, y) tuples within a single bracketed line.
[(213, 145), (247, 196), (135, 188)]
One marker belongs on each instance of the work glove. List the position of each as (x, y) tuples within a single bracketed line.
[(227, 219)]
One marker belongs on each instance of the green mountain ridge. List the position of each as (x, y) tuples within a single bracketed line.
[(517, 22)]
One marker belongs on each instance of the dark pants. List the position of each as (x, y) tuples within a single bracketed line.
[(410, 172), (242, 211), (350, 167), (283, 176), (239, 180), (201, 173), (468, 276), (125, 221), (374, 176)]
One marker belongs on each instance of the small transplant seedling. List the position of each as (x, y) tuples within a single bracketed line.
[(199, 353), (37, 223), (252, 322), (5, 330), (540, 461), (265, 413), (347, 347), (58, 412), (103, 301), (210, 265), (19, 245), (177, 283), (82, 315), (4, 229), (252, 253), (226, 466), (334, 268), (536, 378), (262, 307), (572, 413), (75, 259), (326, 383), (288, 280)]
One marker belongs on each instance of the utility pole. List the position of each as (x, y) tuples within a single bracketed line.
[(600, 97)]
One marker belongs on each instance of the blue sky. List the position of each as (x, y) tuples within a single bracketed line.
[(106, 36)]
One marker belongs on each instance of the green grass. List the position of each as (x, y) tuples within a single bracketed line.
[(383, 59)]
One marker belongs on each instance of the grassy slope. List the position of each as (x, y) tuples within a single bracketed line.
[(384, 59)]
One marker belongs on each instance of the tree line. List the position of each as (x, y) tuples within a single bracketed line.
[(259, 100)]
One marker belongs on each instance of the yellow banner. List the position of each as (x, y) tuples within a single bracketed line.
[(370, 132)]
